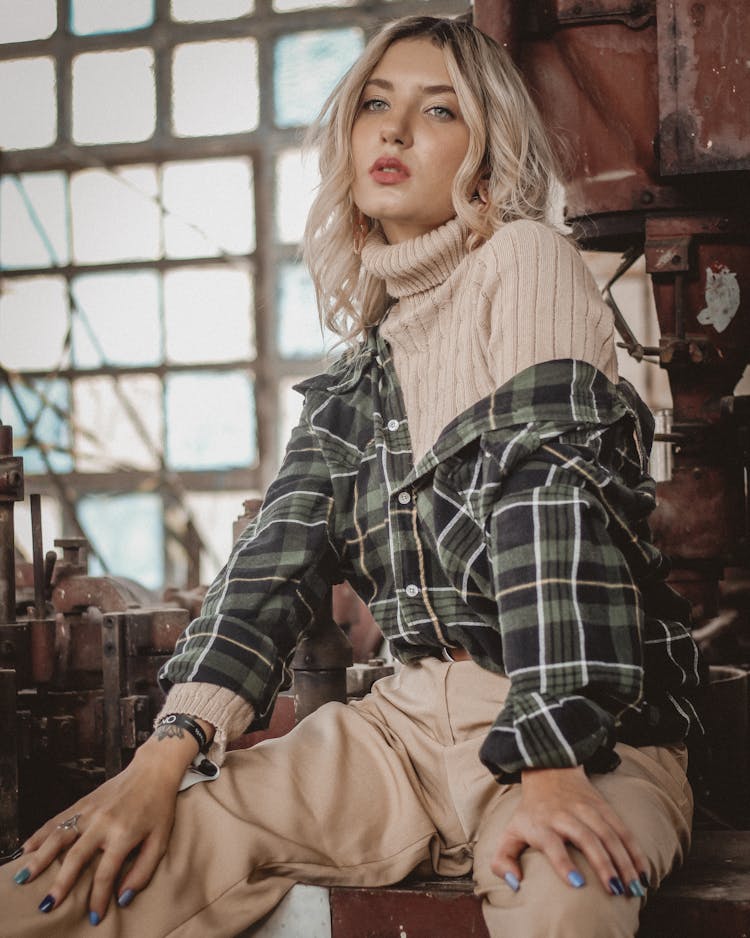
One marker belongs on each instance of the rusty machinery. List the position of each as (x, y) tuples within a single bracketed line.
[(79, 657), (649, 99)]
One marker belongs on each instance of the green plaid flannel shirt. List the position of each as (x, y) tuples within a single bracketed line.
[(520, 536)]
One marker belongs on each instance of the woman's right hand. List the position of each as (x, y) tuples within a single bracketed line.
[(132, 811)]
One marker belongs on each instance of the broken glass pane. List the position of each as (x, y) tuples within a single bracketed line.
[(40, 422), (116, 319), (118, 423), (33, 220), (209, 208), (115, 214)]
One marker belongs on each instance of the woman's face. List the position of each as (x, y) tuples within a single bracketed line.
[(408, 140)]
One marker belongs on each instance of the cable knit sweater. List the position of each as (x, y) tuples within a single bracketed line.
[(463, 323)]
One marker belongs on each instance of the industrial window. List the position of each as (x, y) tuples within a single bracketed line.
[(154, 314)]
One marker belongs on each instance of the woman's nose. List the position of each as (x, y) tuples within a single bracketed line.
[(395, 130)]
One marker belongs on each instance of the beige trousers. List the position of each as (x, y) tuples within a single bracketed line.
[(362, 794)]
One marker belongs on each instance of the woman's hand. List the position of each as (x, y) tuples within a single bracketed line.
[(135, 809), (560, 806)]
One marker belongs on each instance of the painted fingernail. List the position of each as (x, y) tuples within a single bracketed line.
[(636, 889), (512, 881), (126, 898), (94, 918), (575, 879), (616, 886), (22, 876), (644, 880), (47, 904)]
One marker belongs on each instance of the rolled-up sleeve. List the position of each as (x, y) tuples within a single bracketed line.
[(269, 591), (571, 618)]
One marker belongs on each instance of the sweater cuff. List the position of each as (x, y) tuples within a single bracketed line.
[(226, 711)]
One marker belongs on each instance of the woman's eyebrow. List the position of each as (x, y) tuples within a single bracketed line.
[(426, 89)]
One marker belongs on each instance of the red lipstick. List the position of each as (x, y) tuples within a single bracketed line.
[(387, 170)]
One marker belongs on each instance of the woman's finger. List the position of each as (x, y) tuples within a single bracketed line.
[(505, 861), (143, 868)]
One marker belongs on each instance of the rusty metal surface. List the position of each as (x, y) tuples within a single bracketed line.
[(704, 86), (444, 909)]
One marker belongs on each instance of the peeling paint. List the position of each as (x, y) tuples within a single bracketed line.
[(722, 297)]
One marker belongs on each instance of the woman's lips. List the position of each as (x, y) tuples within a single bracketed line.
[(388, 171)]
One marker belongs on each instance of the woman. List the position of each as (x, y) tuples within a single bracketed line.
[(535, 732)]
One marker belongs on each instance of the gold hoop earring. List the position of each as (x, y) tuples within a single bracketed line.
[(361, 228)]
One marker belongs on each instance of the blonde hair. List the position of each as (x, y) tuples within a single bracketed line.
[(508, 149)]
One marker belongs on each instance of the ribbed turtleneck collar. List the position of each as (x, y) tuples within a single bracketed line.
[(413, 266)]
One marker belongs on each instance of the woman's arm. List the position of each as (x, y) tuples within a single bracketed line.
[(134, 811)]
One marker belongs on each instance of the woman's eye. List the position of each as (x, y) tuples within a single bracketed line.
[(374, 104), (441, 112)]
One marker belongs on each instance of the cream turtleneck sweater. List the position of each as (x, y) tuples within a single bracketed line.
[(464, 322)]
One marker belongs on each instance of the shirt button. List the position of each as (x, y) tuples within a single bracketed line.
[(393, 425), (404, 498), (412, 590)]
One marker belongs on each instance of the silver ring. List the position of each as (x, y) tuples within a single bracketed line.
[(70, 825)]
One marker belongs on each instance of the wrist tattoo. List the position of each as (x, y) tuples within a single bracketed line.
[(165, 730)]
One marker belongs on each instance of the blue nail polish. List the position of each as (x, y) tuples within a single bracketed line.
[(22, 876), (616, 886), (126, 898), (94, 918), (512, 881), (575, 879), (636, 889), (47, 904)]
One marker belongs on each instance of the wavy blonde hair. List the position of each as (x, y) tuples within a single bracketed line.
[(508, 150)]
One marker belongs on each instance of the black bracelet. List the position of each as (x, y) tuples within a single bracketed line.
[(185, 722)]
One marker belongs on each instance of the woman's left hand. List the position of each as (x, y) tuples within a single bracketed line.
[(561, 806)]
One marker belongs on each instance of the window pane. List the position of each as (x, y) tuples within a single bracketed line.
[(51, 524), (109, 429), (32, 19), (215, 87), (286, 6), (306, 69), (88, 17), (28, 105), (195, 11), (115, 215), (210, 421), (45, 404), (208, 315), (210, 208), (127, 531), (214, 514), (113, 96), (33, 220), (33, 323), (299, 333), (116, 319), (296, 181)]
